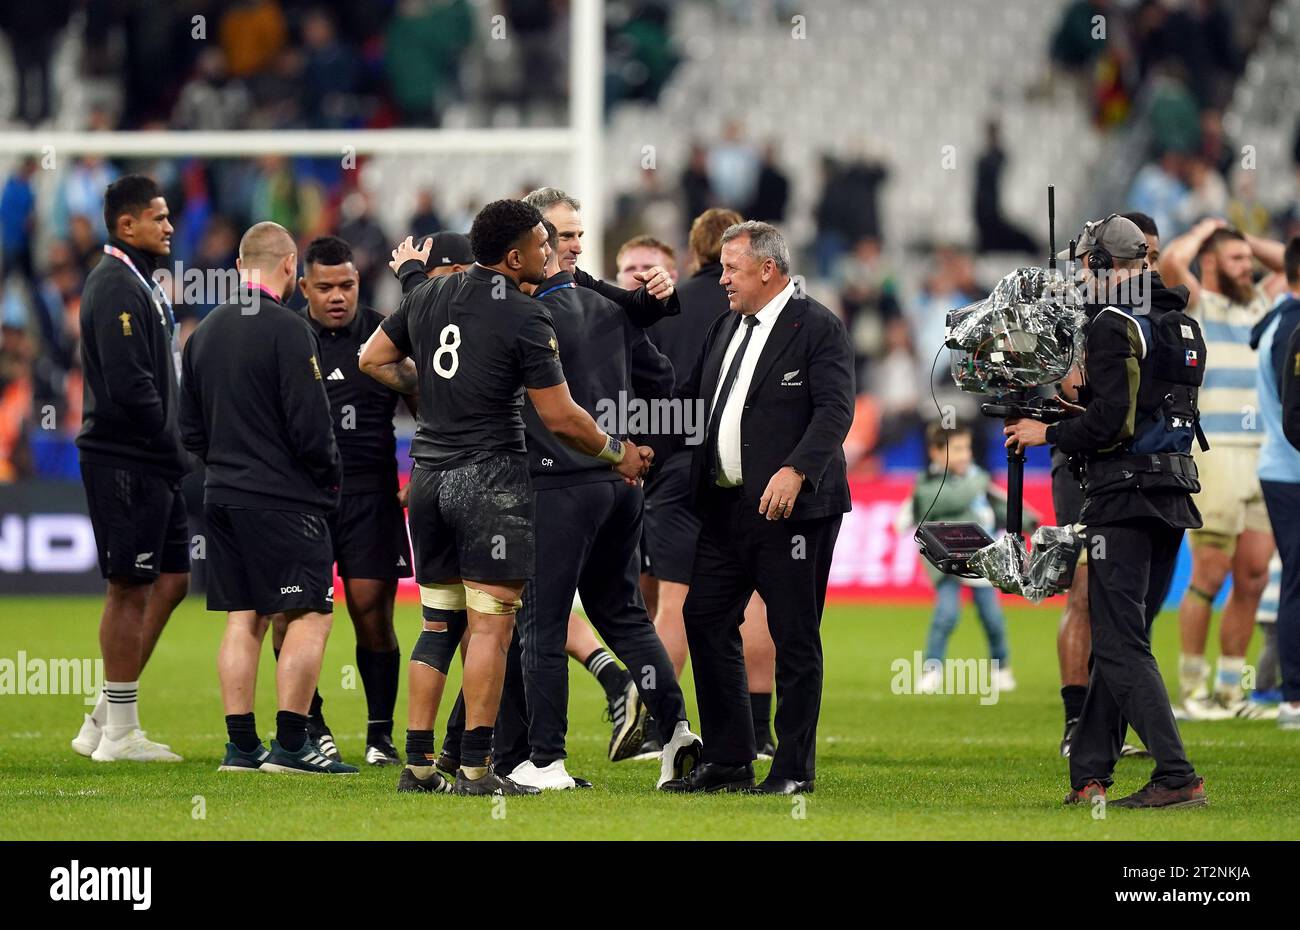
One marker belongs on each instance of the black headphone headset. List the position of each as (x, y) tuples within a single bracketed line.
[(1099, 257)]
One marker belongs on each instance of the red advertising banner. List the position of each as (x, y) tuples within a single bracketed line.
[(873, 561)]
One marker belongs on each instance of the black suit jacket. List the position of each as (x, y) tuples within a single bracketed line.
[(797, 411)]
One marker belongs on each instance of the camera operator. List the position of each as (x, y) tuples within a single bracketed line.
[(1136, 509), (1074, 636)]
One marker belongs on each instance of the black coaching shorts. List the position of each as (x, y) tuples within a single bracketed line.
[(139, 522), (368, 532), (474, 522), (671, 526), (268, 560)]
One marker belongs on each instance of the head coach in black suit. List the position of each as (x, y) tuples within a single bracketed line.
[(775, 382)]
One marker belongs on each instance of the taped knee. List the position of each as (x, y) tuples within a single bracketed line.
[(484, 603), (1224, 542), (455, 622), (436, 648), (1204, 596), (443, 596)]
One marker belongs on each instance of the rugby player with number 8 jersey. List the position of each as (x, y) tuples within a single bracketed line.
[(478, 343)]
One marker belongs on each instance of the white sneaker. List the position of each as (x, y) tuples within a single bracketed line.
[(1006, 680), (553, 777), (1288, 715), (1202, 709), (680, 755), (88, 738), (931, 681), (134, 747), (1245, 709)]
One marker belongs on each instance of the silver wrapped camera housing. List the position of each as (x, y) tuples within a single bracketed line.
[(1026, 333)]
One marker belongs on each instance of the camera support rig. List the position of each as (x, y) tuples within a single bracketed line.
[(1013, 406)]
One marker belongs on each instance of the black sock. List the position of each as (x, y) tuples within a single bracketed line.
[(760, 708), (476, 747), (379, 675), (419, 747), (243, 731), (612, 677), (1072, 696), (314, 710), (290, 730)]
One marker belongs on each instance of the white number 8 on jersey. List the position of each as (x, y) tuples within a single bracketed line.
[(447, 347)]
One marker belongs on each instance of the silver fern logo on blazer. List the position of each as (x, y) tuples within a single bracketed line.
[(787, 379)]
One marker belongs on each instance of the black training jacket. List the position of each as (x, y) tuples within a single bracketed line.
[(607, 362), (702, 300), (129, 373), (254, 408)]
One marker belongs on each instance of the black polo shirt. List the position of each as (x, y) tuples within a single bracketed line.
[(361, 408)]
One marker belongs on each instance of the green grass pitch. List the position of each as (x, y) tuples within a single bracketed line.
[(889, 766)]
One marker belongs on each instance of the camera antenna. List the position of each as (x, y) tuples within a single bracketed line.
[(1051, 226)]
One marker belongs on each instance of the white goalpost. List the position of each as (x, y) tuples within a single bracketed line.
[(581, 141)]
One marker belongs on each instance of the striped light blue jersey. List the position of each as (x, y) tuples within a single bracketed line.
[(1278, 459), (1229, 401)]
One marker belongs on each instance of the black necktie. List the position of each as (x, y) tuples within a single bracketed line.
[(715, 464)]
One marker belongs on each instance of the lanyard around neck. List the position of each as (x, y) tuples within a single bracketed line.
[(155, 290)]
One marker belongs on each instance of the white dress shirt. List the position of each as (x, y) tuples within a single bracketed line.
[(729, 475)]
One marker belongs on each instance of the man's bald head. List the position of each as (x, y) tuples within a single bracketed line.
[(268, 256), (264, 245)]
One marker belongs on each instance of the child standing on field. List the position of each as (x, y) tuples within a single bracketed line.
[(967, 495)]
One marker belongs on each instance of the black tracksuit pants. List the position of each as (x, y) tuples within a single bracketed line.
[(1283, 501), (587, 541), (1129, 569), (788, 562)]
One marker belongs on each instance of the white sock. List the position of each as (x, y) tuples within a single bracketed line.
[(123, 713), (1192, 673), (1228, 680), (100, 713)]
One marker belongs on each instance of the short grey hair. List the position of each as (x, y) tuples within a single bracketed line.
[(765, 241), (546, 197)]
